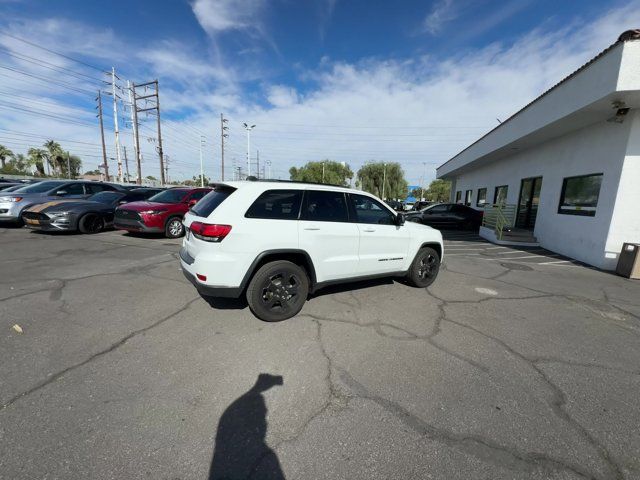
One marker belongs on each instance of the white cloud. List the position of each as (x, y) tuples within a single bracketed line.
[(442, 12), (282, 96), (217, 16), (408, 110)]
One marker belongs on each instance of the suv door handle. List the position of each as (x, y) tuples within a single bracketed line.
[(368, 229), (312, 228)]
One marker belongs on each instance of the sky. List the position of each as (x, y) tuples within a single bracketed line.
[(354, 81)]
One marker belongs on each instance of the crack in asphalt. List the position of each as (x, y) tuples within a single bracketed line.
[(475, 445), (52, 378), (61, 283)]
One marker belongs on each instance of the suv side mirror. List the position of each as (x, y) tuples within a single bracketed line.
[(399, 220), (192, 202), (61, 193)]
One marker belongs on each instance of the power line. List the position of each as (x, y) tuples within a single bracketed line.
[(48, 80), (45, 64), (53, 51)]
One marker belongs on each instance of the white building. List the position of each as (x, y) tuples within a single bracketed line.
[(568, 163)]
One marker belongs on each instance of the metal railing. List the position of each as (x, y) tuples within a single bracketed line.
[(499, 217)]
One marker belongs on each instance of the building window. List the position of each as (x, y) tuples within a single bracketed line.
[(580, 195), (482, 197), (467, 197), (500, 194), (458, 196)]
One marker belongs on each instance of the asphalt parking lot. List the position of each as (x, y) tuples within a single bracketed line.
[(515, 364)]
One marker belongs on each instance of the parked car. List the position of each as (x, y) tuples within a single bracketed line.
[(421, 204), (12, 204), (4, 186), (92, 215), (276, 242), (396, 205), (161, 213), (447, 215)]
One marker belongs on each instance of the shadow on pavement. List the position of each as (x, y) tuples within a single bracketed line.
[(240, 447)]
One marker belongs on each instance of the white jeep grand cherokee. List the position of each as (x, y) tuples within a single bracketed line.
[(279, 241)]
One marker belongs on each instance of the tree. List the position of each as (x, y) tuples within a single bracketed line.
[(37, 157), (93, 172), (371, 175), (326, 171), (54, 156), (195, 182), (151, 177), (438, 191), (18, 165), (4, 154)]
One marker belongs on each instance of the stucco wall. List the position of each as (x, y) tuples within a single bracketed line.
[(625, 223), (599, 148)]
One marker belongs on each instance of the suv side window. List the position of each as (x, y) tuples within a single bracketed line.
[(276, 204), (322, 206), (368, 210)]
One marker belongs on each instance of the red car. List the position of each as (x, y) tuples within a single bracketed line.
[(161, 213)]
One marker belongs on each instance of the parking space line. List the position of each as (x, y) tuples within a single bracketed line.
[(527, 256), (459, 254), (521, 251)]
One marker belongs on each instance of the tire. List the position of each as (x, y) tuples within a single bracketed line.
[(424, 268), (91, 223), (174, 228), (277, 291)]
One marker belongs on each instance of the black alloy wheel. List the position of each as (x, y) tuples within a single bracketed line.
[(424, 268), (278, 291), (91, 224)]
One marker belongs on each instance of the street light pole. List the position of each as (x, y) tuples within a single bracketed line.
[(424, 172), (248, 129), (384, 177), (201, 164)]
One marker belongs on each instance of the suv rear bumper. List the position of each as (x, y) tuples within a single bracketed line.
[(208, 290)]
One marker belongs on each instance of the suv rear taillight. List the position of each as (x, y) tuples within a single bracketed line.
[(209, 232)]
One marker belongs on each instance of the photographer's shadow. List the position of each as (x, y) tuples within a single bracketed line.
[(240, 448)]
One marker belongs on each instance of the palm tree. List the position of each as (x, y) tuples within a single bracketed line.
[(37, 157), (4, 153), (54, 155)]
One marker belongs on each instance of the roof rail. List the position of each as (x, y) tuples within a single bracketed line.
[(254, 179)]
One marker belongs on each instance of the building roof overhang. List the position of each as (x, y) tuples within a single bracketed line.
[(589, 95)]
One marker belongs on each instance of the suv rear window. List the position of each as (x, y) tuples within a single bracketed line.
[(276, 204), (210, 201)]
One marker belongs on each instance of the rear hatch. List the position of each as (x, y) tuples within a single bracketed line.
[(200, 230)]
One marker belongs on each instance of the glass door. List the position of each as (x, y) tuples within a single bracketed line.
[(528, 203)]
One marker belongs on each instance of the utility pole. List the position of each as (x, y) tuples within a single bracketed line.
[(116, 130), (155, 95), (248, 129), (134, 125), (223, 135), (201, 164), (322, 172), (136, 137), (105, 165), (126, 162), (268, 162), (258, 163), (166, 168), (68, 165)]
